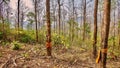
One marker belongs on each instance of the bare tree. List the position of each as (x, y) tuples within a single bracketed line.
[(18, 23), (119, 23), (95, 28), (59, 15), (18, 19), (114, 25), (48, 41), (106, 26), (35, 17), (84, 20)]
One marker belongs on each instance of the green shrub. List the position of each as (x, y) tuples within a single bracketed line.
[(1, 35), (42, 38), (25, 37), (16, 45), (5, 43), (26, 55), (56, 39), (60, 40), (6, 32)]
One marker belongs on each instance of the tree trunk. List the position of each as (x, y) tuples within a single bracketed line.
[(8, 15), (118, 37), (59, 15), (107, 4), (118, 24), (95, 29), (18, 24), (22, 18), (48, 41), (114, 32), (0, 12), (84, 20), (3, 28), (73, 24), (36, 26), (2, 21)]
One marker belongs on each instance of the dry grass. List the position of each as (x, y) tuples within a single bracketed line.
[(34, 56)]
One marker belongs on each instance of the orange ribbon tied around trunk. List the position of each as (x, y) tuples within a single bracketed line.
[(98, 57), (99, 54), (104, 50), (48, 44)]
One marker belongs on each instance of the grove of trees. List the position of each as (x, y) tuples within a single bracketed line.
[(90, 25)]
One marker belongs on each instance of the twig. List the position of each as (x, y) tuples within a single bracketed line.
[(14, 60), (6, 63)]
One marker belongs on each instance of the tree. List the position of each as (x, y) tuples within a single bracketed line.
[(84, 19), (73, 18), (106, 26), (95, 28), (118, 23), (30, 17), (23, 11), (2, 18), (59, 14), (48, 41), (114, 9), (36, 26), (54, 5), (3, 5), (18, 23)]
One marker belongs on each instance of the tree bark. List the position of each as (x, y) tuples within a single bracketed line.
[(22, 18), (18, 24), (107, 4), (118, 24), (48, 41), (36, 26), (114, 32), (59, 15), (84, 20), (73, 24), (95, 29)]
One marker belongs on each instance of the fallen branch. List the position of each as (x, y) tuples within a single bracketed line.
[(14, 60), (5, 65)]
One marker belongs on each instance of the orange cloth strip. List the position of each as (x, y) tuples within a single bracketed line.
[(104, 50), (99, 54), (98, 58), (48, 45)]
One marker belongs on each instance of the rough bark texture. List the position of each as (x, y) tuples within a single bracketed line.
[(73, 24), (59, 15), (113, 32), (8, 15), (119, 36), (107, 4), (48, 41), (95, 29), (84, 20), (22, 18), (18, 24), (119, 24), (36, 27), (18, 21)]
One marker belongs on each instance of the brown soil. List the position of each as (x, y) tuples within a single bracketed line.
[(34, 56)]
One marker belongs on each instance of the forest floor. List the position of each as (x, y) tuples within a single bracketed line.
[(34, 56)]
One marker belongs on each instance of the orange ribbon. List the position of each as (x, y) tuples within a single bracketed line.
[(99, 57), (104, 50), (99, 54), (48, 44)]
